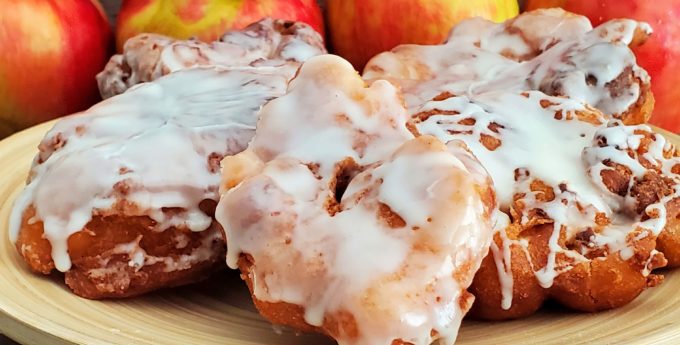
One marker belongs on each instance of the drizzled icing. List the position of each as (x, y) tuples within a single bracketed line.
[(152, 148), (395, 251), (550, 157), (556, 141), (268, 42), (515, 122), (569, 59)]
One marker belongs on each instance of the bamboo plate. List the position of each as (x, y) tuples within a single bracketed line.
[(40, 310)]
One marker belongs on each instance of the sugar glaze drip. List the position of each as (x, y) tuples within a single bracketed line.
[(411, 225), (146, 150)]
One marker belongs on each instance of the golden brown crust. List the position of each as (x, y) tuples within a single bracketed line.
[(637, 113), (602, 283), (100, 271), (279, 313), (291, 315), (35, 249), (528, 295), (668, 241), (641, 111), (342, 325), (599, 277)]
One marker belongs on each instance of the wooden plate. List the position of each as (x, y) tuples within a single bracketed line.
[(40, 310)]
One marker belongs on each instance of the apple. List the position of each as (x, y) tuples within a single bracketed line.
[(360, 29), (660, 56), (51, 52), (207, 19)]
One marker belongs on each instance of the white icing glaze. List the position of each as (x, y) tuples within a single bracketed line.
[(150, 147), (569, 60), (560, 153), (475, 88), (268, 42), (399, 280), (530, 138), (523, 124), (503, 260)]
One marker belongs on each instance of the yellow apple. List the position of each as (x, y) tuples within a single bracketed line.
[(360, 29), (207, 19)]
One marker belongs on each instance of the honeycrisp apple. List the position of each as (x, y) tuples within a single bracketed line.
[(360, 29), (660, 56), (207, 19), (51, 51)]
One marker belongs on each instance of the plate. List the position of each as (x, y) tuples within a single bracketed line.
[(39, 310)]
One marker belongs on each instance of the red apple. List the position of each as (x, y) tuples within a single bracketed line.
[(660, 56), (207, 19), (51, 52), (360, 29)]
